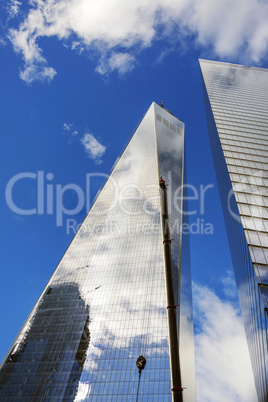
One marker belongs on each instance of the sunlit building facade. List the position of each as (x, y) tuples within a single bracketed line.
[(106, 303), (236, 102)]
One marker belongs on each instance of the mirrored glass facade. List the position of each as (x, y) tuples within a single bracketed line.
[(105, 305), (236, 101)]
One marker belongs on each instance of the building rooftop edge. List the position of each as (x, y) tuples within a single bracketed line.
[(232, 64), (168, 112)]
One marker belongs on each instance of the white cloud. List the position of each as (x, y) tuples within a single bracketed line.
[(77, 46), (67, 126), (228, 285), (83, 391), (34, 72), (70, 129), (93, 147), (14, 8), (223, 368), (122, 62), (117, 29)]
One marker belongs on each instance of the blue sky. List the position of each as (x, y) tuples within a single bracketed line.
[(76, 78)]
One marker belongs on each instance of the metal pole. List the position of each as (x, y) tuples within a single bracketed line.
[(171, 308)]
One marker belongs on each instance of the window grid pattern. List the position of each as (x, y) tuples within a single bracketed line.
[(105, 305), (170, 148), (238, 98), (246, 165)]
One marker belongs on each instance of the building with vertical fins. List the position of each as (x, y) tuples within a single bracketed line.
[(236, 102), (115, 321)]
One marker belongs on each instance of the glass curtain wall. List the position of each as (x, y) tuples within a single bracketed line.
[(236, 102), (105, 305)]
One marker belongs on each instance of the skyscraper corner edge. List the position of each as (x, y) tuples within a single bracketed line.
[(236, 106), (106, 303)]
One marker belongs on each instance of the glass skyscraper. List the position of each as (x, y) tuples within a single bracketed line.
[(107, 302), (236, 102)]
